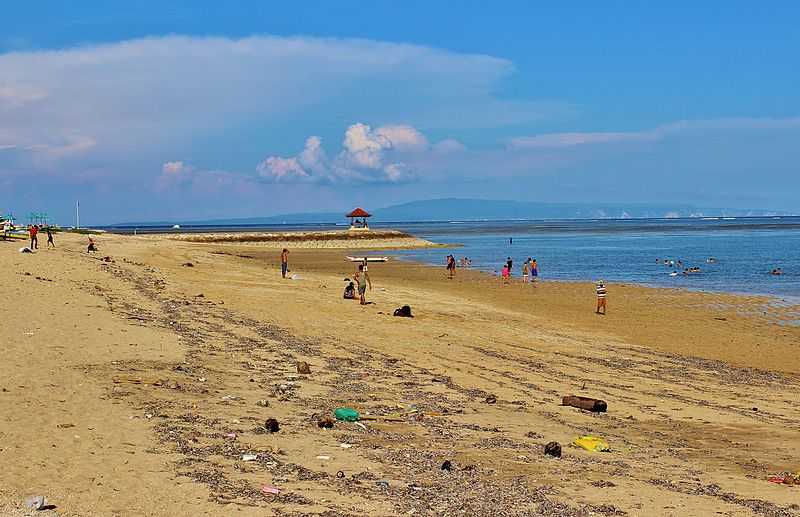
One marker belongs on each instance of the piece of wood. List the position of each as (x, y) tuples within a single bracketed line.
[(586, 403)]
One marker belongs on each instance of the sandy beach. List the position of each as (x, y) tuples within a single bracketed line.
[(137, 384)]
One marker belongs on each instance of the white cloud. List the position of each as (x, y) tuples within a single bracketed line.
[(156, 96), (282, 169), (176, 167), (367, 155), (653, 135), (449, 145)]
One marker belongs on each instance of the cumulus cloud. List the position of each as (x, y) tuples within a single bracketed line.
[(367, 155)]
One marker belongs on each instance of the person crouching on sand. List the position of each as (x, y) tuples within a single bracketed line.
[(91, 248), (284, 262), (362, 279), (601, 291)]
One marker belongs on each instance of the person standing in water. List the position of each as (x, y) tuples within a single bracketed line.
[(534, 270), (525, 271), (284, 262), (362, 279), (601, 291)]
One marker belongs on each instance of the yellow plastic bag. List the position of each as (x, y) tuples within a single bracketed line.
[(592, 443)]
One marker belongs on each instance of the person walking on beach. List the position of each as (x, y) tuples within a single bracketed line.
[(50, 241), (601, 291), (33, 231), (284, 262), (451, 266), (362, 279)]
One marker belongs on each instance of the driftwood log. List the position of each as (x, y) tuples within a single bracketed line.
[(589, 404)]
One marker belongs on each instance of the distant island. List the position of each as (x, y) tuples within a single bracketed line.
[(449, 209)]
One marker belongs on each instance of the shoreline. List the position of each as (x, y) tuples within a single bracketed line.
[(792, 300)]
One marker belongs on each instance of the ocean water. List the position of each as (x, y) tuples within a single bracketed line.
[(745, 249)]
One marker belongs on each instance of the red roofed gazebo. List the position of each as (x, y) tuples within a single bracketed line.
[(354, 216)]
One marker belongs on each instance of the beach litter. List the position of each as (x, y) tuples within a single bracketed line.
[(188, 264), (447, 465), (592, 443), (262, 403), (340, 474), (345, 445), (323, 457), (303, 367), (325, 423), (249, 457), (37, 502), (382, 483), (272, 425), (786, 479), (586, 403), (268, 489), (346, 414), (491, 399), (553, 449)]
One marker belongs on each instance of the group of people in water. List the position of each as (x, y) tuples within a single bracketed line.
[(530, 270), (678, 264)]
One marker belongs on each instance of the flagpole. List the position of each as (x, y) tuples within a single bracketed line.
[(77, 215)]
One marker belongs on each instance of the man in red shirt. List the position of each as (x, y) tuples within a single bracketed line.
[(34, 230)]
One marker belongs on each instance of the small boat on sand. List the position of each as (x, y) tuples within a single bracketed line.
[(368, 259)]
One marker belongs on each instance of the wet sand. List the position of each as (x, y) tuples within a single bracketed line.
[(124, 392)]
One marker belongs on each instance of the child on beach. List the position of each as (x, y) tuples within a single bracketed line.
[(350, 291), (362, 279), (50, 238), (505, 274), (601, 290), (284, 262), (91, 248), (525, 270)]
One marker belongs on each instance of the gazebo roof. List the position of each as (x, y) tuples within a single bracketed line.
[(359, 212)]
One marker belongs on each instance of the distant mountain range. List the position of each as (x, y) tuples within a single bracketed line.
[(483, 209)]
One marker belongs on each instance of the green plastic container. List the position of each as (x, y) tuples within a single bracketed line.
[(346, 414)]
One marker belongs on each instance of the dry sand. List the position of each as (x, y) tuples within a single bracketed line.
[(120, 388)]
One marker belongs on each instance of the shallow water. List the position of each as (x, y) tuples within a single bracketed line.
[(745, 249)]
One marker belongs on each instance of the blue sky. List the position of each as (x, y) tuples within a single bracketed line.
[(211, 109)]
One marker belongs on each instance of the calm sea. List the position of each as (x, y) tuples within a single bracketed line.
[(745, 249)]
